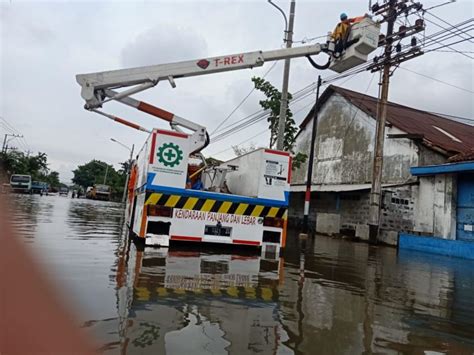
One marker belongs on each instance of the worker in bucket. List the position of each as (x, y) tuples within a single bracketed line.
[(340, 35)]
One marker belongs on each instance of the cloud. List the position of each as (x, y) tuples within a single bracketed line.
[(162, 44)]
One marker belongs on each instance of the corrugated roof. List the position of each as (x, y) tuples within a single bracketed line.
[(466, 156), (438, 132)]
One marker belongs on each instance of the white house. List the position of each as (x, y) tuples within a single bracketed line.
[(342, 167)]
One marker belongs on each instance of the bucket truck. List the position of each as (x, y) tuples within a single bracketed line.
[(249, 205)]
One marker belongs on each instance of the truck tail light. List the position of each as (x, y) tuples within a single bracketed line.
[(273, 222), (160, 211)]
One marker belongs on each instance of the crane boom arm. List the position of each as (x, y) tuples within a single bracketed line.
[(99, 88), (148, 76)]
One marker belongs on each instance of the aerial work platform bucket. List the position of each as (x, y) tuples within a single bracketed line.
[(368, 32)]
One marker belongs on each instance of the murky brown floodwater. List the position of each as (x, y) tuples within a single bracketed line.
[(323, 297)]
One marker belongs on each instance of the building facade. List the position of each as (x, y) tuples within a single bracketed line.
[(342, 167)]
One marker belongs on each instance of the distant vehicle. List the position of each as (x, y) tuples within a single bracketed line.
[(39, 187), (102, 192), (20, 183), (99, 192), (63, 191)]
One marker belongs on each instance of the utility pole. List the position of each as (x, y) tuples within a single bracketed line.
[(106, 171), (125, 189), (5, 142), (309, 177), (390, 10), (286, 75)]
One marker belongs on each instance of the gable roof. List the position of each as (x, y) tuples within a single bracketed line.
[(435, 131)]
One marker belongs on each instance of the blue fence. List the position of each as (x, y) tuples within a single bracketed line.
[(457, 248)]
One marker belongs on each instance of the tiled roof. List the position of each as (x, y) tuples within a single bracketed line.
[(436, 131)]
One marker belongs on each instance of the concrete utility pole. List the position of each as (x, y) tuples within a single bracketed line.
[(391, 9), (125, 190), (5, 142), (286, 75), (106, 171), (377, 167)]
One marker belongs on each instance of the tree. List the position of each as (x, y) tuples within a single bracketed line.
[(53, 179), (94, 172), (16, 162), (272, 103)]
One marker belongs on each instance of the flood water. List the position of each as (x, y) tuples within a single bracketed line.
[(324, 296)]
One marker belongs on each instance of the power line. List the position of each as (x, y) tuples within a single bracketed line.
[(439, 5), (446, 22), (250, 122), (451, 51), (306, 40), (439, 81), (299, 92), (259, 115), (8, 124), (449, 46), (241, 102), (244, 141), (436, 24)]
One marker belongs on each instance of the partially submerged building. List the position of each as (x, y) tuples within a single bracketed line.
[(342, 168)]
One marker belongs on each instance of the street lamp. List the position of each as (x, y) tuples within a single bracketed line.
[(124, 196), (286, 74)]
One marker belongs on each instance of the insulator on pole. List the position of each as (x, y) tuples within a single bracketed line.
[(420, 23), (401, 30)]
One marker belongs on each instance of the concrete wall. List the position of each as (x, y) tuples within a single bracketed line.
[(347, 213), (435, 208), (344, 146)]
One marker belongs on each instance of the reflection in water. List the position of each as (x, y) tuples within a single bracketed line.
[(218, 302), (26, 210), (325, 296)]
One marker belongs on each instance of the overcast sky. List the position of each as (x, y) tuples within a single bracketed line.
[(45, 44)]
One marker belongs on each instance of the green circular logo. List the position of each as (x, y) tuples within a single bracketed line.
[(170, 154)]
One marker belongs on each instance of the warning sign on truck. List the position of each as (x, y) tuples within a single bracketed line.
[(275, 173)]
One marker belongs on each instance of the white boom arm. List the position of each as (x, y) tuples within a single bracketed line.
[(99, 88), (150, 75)]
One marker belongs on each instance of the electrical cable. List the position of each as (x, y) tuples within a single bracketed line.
[(243, 100), (299, 93), (264, 115), (244, 141), (434, 23), (446, 22), (439, 81), (450, 44), (351, 73)]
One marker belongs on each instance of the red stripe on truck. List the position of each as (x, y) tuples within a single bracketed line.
[(152, 150), (278, 152), (247, 242), (185, 238)]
